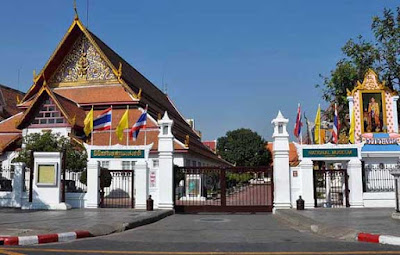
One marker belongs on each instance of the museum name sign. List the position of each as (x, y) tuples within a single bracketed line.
[(117, 153), (330, 153)]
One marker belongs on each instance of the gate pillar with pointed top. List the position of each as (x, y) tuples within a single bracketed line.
[(166, 165), (281, 163)]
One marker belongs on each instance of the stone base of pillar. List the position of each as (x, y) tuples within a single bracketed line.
[(91, 205), (282, 205), (38, 206), (357, 204), (164, 206)]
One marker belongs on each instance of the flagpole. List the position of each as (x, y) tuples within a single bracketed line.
[(127, 131), (319, 110), (145, 129), (111, 126)]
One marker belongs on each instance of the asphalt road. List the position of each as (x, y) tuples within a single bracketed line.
[(209, 234)]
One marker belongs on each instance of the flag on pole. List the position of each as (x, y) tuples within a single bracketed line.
[(335, 131), (88, 127), (317, 127), (103, 121), (298, 124), (140, 123), (122, 125), (352, 127)]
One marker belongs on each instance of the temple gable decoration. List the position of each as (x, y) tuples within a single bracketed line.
[(374, 106), (82, 64)]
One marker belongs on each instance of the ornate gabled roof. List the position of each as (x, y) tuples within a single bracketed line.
[(371, 82), (71, 112), (8, 101)]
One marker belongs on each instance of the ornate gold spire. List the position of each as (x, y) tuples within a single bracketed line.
[(76, 11)]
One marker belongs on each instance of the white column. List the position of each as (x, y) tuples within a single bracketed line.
[(307, 180), (18, 185), (351, 104), (395, 118), (141, 184), (355, 183), (281, 163), (166, 165), (92, 195)]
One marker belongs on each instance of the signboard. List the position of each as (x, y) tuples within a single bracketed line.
[(117, 153), (330, 153), (153, 183), (46, 175), (385, 140)]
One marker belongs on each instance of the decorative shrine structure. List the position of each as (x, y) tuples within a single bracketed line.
[(83, 72), (350, 175)]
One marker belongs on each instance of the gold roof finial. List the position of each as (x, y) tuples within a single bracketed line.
[(187, 140), (44, 81), (119, 74), (34, 75), (76, 11), (18, 99), (139, 95)]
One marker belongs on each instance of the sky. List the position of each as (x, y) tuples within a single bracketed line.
[(228, 64)]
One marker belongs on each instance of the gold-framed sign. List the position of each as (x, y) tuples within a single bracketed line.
[(46, 175), (373, 111)]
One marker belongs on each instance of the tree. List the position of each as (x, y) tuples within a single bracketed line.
[(76, 158), (382, 54), (243, 147)]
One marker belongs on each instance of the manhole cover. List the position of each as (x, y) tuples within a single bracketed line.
[(213, 220)]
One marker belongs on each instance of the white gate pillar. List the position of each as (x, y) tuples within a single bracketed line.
[(281, 163), (93, 185), (354, 170), (307, 182), (166, 165), (141, 184), (19, 182)]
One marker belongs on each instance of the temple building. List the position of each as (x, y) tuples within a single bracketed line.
[(83, 72)]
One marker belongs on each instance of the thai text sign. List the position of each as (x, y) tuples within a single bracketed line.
[(381, 141), (117, 153), (330, 153)]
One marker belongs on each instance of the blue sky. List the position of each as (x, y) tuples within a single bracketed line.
[(227, 64)]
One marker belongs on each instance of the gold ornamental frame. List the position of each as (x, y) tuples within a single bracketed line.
[(361, 102)]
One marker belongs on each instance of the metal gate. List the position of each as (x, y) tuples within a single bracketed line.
[(120, 193), (223, 189), (331, 188)]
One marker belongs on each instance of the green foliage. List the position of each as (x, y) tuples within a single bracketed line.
[(382, 54), (48, 142), (243, 147), (105, 178)]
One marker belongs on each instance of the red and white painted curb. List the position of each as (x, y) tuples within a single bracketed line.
[(382, 239), (47, 238)]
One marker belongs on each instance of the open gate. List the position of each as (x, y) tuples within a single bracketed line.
[(223, 189), (331, 188), (120, 194)]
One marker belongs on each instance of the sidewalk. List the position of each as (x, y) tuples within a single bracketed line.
[(343, 223), (97, 222)]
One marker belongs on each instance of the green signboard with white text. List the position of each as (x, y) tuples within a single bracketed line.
[(117, 153), (330, 153)]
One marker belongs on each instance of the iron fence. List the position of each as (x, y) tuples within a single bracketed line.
[(378, 178), (73, 182), (330, 188), (27, 177), (6, 178), (223, 189), (120, 192)]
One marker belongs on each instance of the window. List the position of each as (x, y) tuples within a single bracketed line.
[(128, 165), (105, 164), (155, 163), (49, 114), (194, 163), (187, 162), (280, 128)]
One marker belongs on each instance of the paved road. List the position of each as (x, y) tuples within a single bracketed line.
[(205, 234)]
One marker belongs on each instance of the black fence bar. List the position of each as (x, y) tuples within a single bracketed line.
[(31, 177), (378, 179), (223, 189)]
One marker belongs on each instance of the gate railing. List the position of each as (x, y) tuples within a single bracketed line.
[(331, 188), (223, 189), (378, 179), (120, 193)]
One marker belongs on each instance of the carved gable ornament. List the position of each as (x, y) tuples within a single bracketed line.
[(370, 82), (81, 65)]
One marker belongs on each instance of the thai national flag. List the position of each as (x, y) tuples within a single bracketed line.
[(298, 125), (103, 121), (140, 123), (335, 131)]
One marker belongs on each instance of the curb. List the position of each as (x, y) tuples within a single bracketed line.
[(376, 238), (46, 238), (70, 236)]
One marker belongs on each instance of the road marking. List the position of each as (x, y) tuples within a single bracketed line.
[(10, 252), (197, 253)]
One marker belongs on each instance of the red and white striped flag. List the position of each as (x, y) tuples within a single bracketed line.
[(335, 131)]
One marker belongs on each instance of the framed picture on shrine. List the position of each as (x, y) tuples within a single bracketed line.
[(373, 112)]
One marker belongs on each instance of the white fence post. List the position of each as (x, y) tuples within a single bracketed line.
[(141, 184), (92, 180), (281, 163), (166, 165), (19, 182), (354, 171), (307, 182)]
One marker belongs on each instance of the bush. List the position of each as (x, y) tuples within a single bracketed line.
[(105, 178)]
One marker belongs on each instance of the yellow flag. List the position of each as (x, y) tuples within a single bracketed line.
[(122, 125), (317, 127), (88, 123), (352, 127)]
